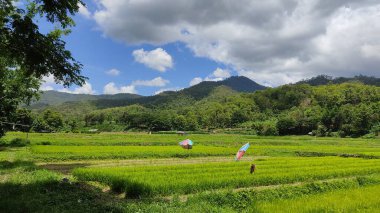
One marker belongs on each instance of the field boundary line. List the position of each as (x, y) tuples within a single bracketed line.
[(184, 198)]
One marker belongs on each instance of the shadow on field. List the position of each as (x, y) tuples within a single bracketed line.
[(37, 193), (54, 196), (63, 168), (7, 165)]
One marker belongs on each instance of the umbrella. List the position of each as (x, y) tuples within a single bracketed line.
[(186, 144), (241, 151)]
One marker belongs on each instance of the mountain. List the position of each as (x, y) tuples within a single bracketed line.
[(185, 96), (325, 79), (59, 100), (52, 98), (236, 83)]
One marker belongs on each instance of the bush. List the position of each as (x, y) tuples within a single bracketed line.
[(375, 130), (265, 128), (19, 142), (45, 143)]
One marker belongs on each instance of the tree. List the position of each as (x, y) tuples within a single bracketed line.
[(53, 119), (27, 55), (23, 117)]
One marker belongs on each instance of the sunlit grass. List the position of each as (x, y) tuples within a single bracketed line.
[(183, 179)]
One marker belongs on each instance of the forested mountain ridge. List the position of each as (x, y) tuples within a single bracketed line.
[(196, 92), (325, 79), (346, 109), (53, 97)]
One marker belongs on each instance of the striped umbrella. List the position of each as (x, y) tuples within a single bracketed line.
[(241, 151)]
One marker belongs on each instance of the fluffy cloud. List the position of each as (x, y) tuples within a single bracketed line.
[(46, 88), (167, 89), (272, 42), (85, 89), (113, 72), (157, 59), (218, 75), (156, 82), (111, 89), (84, 11), (195, 81), (47, 83)]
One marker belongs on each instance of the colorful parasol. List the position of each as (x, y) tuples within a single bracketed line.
[(241, 151), (186, 144)]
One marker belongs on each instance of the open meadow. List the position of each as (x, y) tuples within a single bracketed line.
[(137, 172)]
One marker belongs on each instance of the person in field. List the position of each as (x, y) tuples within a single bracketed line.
[(253, 168)]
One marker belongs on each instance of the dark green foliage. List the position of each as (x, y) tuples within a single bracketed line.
[(49, 121), (19, 142), (15, 88), (346, 110), (53, 98), (26, 54), (325, 79), (43, 191), (23, 119), (351, 109)]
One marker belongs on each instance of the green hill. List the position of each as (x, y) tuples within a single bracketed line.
[(325, 79), (60, 100), (53, 98)]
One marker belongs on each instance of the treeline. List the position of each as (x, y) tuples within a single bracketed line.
[(349, 109)]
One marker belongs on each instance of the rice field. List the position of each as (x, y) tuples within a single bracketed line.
[(64, 153), (119, 172), (184, 179)]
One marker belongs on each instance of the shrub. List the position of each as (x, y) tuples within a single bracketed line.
[(45, 143), (19, 142)]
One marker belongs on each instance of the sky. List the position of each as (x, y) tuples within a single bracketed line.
[(149, 46)]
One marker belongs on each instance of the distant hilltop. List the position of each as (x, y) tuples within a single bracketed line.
[(201, 90), (325, 79)]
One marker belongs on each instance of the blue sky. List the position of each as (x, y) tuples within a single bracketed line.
[(149, 46), (100, 54)]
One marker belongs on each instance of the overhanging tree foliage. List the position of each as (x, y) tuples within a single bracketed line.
[(27, 55)]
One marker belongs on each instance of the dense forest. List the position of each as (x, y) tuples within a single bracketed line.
[(350, 109)]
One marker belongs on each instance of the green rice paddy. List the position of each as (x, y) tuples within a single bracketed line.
[(121, 172)]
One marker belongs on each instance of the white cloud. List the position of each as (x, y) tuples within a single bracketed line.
[(221, 73), (48, 79), (156, 82), (157, 59), (218, 75), (371, 51), (278, 40), (167, 89), (46, 88), (195, 81), (113, 72), (84, 11), (84, 89), (111, 89), (47, 83)]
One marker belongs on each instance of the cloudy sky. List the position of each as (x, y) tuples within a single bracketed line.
[(149, 46)]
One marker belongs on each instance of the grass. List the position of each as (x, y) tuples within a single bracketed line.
[(65, 153), (364, 199), (253, 197), (125, 152), (294, 174), (107, 139), (143, 181)]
